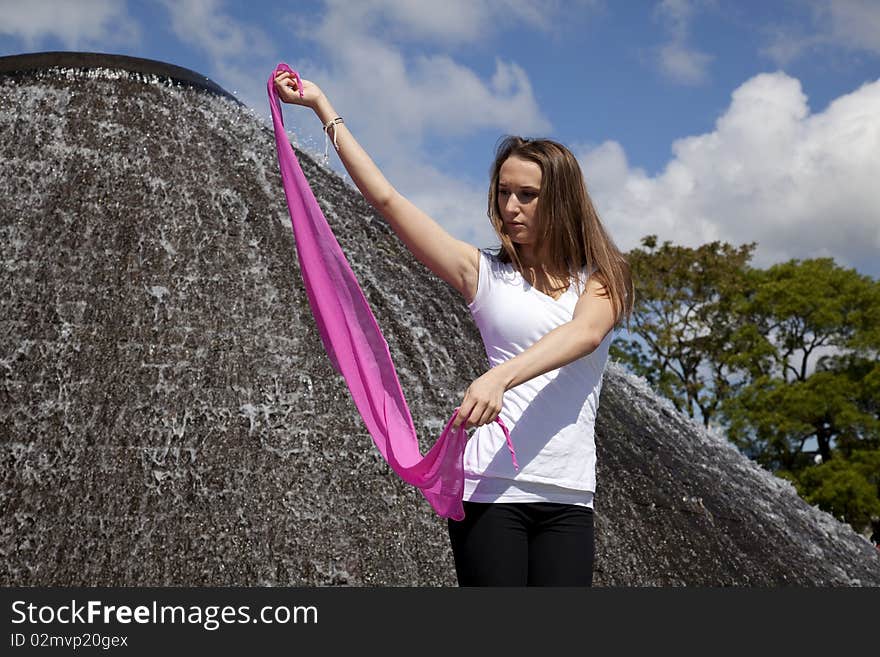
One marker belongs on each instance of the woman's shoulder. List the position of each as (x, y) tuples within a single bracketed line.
[(494, 257), (489, 258), (495, 263), (583, 275), (494, 271)]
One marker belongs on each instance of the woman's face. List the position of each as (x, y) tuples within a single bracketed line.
[(519, 184)]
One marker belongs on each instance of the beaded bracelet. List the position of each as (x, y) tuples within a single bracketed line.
[(332, 123)]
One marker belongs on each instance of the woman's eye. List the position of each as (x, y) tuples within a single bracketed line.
[(522, 196)]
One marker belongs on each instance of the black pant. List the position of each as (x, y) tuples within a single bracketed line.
[(523, 544)]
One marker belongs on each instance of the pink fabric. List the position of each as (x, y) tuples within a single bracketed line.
[(356, 346)]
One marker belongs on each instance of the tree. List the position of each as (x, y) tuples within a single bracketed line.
[(845, 487), (686, 344), (782, 358), (799, 309)]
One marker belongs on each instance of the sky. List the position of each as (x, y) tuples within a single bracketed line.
[(693, 120)]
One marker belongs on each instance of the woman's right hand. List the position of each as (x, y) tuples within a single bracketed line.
[(288, 90)]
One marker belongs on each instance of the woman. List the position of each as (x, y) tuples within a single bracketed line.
[(546, 306)]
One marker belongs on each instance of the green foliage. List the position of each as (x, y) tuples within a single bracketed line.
[(782, 358), (803, 306), (800, 309), (846, 488), (687, 347), (771, 420)]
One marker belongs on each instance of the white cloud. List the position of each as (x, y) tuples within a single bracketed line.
[(203, 24), (78, 25), (406, 99), (396, 102), (451, 22), (854, 23), (397, 96), (677, 14), (461, 205), (675, 59), (801, 185), (238, 51), (847, 24), (684, 65), (784, 46)]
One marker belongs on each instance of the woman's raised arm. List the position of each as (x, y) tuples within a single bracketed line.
[(453, 260)]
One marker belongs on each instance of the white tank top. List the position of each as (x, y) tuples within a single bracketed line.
[(551, 417)]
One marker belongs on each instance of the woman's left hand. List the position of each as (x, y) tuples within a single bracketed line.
[(288, 90), (482, 401)]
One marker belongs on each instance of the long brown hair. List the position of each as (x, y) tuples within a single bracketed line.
[(570, 228)]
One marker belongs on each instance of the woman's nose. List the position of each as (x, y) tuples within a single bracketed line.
[(512, 203)]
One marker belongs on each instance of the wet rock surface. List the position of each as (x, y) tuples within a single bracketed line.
[(168, 415)]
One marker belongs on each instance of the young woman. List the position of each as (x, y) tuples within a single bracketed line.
[(546, 305)]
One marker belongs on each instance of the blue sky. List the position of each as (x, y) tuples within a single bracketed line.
[(693, 119)]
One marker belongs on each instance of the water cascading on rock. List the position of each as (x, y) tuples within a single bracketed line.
[(169, 416)]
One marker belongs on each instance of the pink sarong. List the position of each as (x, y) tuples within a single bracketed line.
[(356, 347)]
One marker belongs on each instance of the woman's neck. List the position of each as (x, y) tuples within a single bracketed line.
[(537, 261), (536, 268), (531, 258)]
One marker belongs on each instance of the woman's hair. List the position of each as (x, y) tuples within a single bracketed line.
[(568, 224)]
